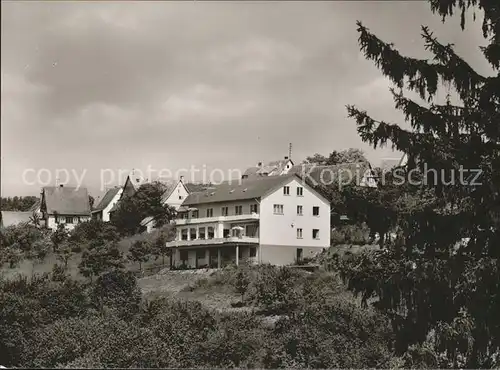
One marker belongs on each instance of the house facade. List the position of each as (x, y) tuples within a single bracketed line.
[(64, 205), (276, 219), (108, 201), (175, 194)]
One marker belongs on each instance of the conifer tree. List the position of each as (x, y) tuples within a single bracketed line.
[(440, 281)]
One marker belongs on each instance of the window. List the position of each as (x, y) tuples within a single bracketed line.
[(226, 233), (315, 233), (184, 256), (254, 208), (278, 209), (202, 232), (300, 191), (184, 234), (299, 233), (286, 190), (195, 214), (238, 210), (210, 232), (210, 212), (315, 211), (251, 231), (253, 252), (180, 197), (225, 211), (299, 254), (192, 233), (69, 220), (299, 210)]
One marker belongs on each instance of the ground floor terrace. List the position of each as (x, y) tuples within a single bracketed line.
[(214, 256), (236, 252)]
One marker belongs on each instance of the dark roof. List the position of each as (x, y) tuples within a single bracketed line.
[(192, 188), (106, 199), (329, 175), (10, 218), (237, 190), (66, 200)]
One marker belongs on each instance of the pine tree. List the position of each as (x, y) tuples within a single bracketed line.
[(440, 281)]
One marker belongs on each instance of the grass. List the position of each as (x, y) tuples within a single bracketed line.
[(27, 268)]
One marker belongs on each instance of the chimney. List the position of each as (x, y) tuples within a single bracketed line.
[(181, 179), (61, 186), (286, 158), (259, 164)]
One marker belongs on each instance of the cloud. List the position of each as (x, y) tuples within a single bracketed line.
[(103, 84), (257, 55), (206, 102)]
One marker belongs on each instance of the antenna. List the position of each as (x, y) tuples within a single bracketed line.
[(290, 151)]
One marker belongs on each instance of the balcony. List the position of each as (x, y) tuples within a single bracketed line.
[(204, 220), (214, 241)]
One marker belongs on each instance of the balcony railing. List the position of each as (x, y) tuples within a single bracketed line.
[(203, 220), (214, 241)]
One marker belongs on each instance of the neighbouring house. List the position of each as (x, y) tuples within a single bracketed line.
[(106, 203), (13, 218), (340, 174), (64, 205), (273, 168), (132, 183), (175, 194), (275, 219)]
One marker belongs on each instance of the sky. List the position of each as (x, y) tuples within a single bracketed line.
[(101, 88)]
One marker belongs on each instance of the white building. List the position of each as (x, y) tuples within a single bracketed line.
[(64, 205), (106, 204), (272, 219)]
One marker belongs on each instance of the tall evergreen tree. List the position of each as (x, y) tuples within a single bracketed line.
[(440, 281)]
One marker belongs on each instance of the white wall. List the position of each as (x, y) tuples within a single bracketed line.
[(51, 222), (217, 208), (282, 229), (105, 211), (179, 195)]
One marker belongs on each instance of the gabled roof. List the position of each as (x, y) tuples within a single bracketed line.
[(168, 191), (66, 200), (135, 180), (11, 218), (268, 169), (339, 174), (237, 190), (106, 199)]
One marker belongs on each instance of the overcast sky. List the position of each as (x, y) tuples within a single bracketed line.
[(122, 85)]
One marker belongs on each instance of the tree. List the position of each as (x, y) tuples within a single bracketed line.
[(442, 276), (350, 155), (59, 236), (64, 253), (99, 259), (117, 290), (139, 252), (147, 201), (20, 204), (159, 243), (241, 282), (92, 233)]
